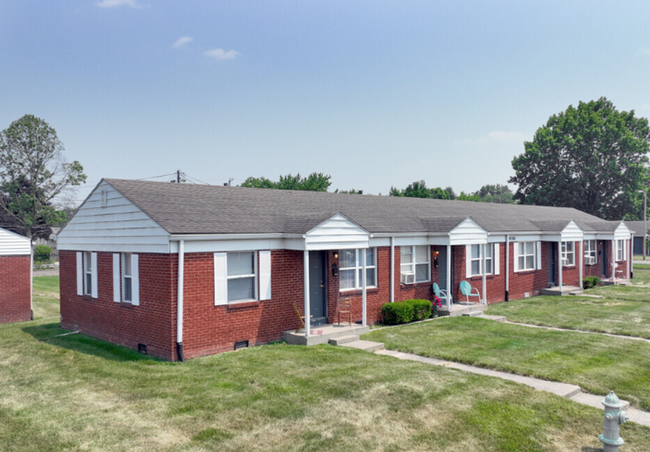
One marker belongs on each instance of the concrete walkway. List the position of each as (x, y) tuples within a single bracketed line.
[(631, 338), (568, 391)]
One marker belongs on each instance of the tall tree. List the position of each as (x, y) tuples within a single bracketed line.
[(33, 173), (313, 182), (591, 157), (419, 189), (498, 193)]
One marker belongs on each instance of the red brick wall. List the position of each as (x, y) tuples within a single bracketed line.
[(15, 289), (211, 329), (151, 323)]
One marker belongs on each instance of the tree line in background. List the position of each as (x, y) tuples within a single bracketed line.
[(592, 158)]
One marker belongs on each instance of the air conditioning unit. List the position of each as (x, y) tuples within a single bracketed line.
[(590, 260), (408, 278), (565, 262)]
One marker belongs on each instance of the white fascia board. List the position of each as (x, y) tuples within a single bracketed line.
[(605, 236), (590, 236), (220, 237), (526, 237), (497, 238)]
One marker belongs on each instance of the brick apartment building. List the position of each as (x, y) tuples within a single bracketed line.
[(176, 267), (15, 277)]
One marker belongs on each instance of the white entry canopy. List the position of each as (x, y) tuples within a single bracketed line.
[(338, 232), (468, 232)]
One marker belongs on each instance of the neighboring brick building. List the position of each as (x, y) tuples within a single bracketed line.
[(244, 257), (15, 277)]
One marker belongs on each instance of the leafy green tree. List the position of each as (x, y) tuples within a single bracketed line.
[(419, 189), (313, 182), (498, 193), (591, 157), (33, 173)]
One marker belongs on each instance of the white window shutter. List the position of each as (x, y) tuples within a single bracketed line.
[(496, 259), (80, 273), (94, 275), (220, 278), (265, 275), (515, 254), (117, 295), (539, 255), (135, 279), (468, 261)]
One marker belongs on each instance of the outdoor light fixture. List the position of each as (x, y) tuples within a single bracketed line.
[(335, 254), (435, 259), (335, 269)]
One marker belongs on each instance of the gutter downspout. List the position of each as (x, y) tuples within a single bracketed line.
[(392, 269), (363, 291), (179, 314), (559, 259), (582, 258), (31, 284), (507, 267), (629, 252), (484, 273), (449, 288)]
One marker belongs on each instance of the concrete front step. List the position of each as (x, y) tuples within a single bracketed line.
[(459, 309), (496, 318), (321, 334), (343, 339), (473, 314), (367, 346)]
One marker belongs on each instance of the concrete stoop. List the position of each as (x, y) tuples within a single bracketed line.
[(460, 309), (564, 290), (322, 334), (368, 346)]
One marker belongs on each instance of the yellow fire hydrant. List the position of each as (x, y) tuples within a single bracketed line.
[(614, 417)]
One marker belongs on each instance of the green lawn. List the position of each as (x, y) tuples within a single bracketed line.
[(597, 363), (74, 393), (625, 311), (641, 274), (45, 296)]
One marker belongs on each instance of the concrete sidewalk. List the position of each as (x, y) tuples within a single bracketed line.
[(568, 391)]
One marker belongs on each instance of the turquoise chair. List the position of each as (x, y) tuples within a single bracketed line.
[(442, 294), (469, 291)]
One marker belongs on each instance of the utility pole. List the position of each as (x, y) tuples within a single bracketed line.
[(178, 176), (645, 219)]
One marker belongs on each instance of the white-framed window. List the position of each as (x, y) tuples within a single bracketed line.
[(568, 254), (88, 273), (415, 264), (591, 252), (126, 278), (620, 250), (236, 276), (351, 269), (241, 276), (526, 256), (476, 259)]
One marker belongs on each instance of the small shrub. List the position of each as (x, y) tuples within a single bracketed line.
[(421, 309), (42, 253), (590, 281), (396, 313)]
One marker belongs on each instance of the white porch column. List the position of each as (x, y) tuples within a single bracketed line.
[(582, 258), (508, 266), (179, 296), (363, 288), (559, 267), (613, 259), (483, 252), (629, 252), (449, 288), (392, 269), (306, 292)]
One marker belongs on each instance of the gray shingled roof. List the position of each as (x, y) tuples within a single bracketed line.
[(213, 209), (637, 227)]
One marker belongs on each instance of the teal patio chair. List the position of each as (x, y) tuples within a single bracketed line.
[(469, 291), (443, 295)]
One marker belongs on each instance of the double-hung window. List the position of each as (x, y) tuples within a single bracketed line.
[(126, 278), (351, 269), (476, 259), (236, 276), (415, 264), (620, 250), (568, 254), (526, 256), (87, 273), (241, 276), (591, 254)]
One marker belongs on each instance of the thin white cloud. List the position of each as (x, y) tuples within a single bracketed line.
[(115, 3), (221, 54), (645, 51), (494, 138), (182, 41)]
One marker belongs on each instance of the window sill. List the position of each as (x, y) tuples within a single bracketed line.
[(526, 271), (348, 292), (421, 283), (480, 277), (241, 305)]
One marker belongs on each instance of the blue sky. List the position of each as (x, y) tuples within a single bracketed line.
[(374, 93)]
